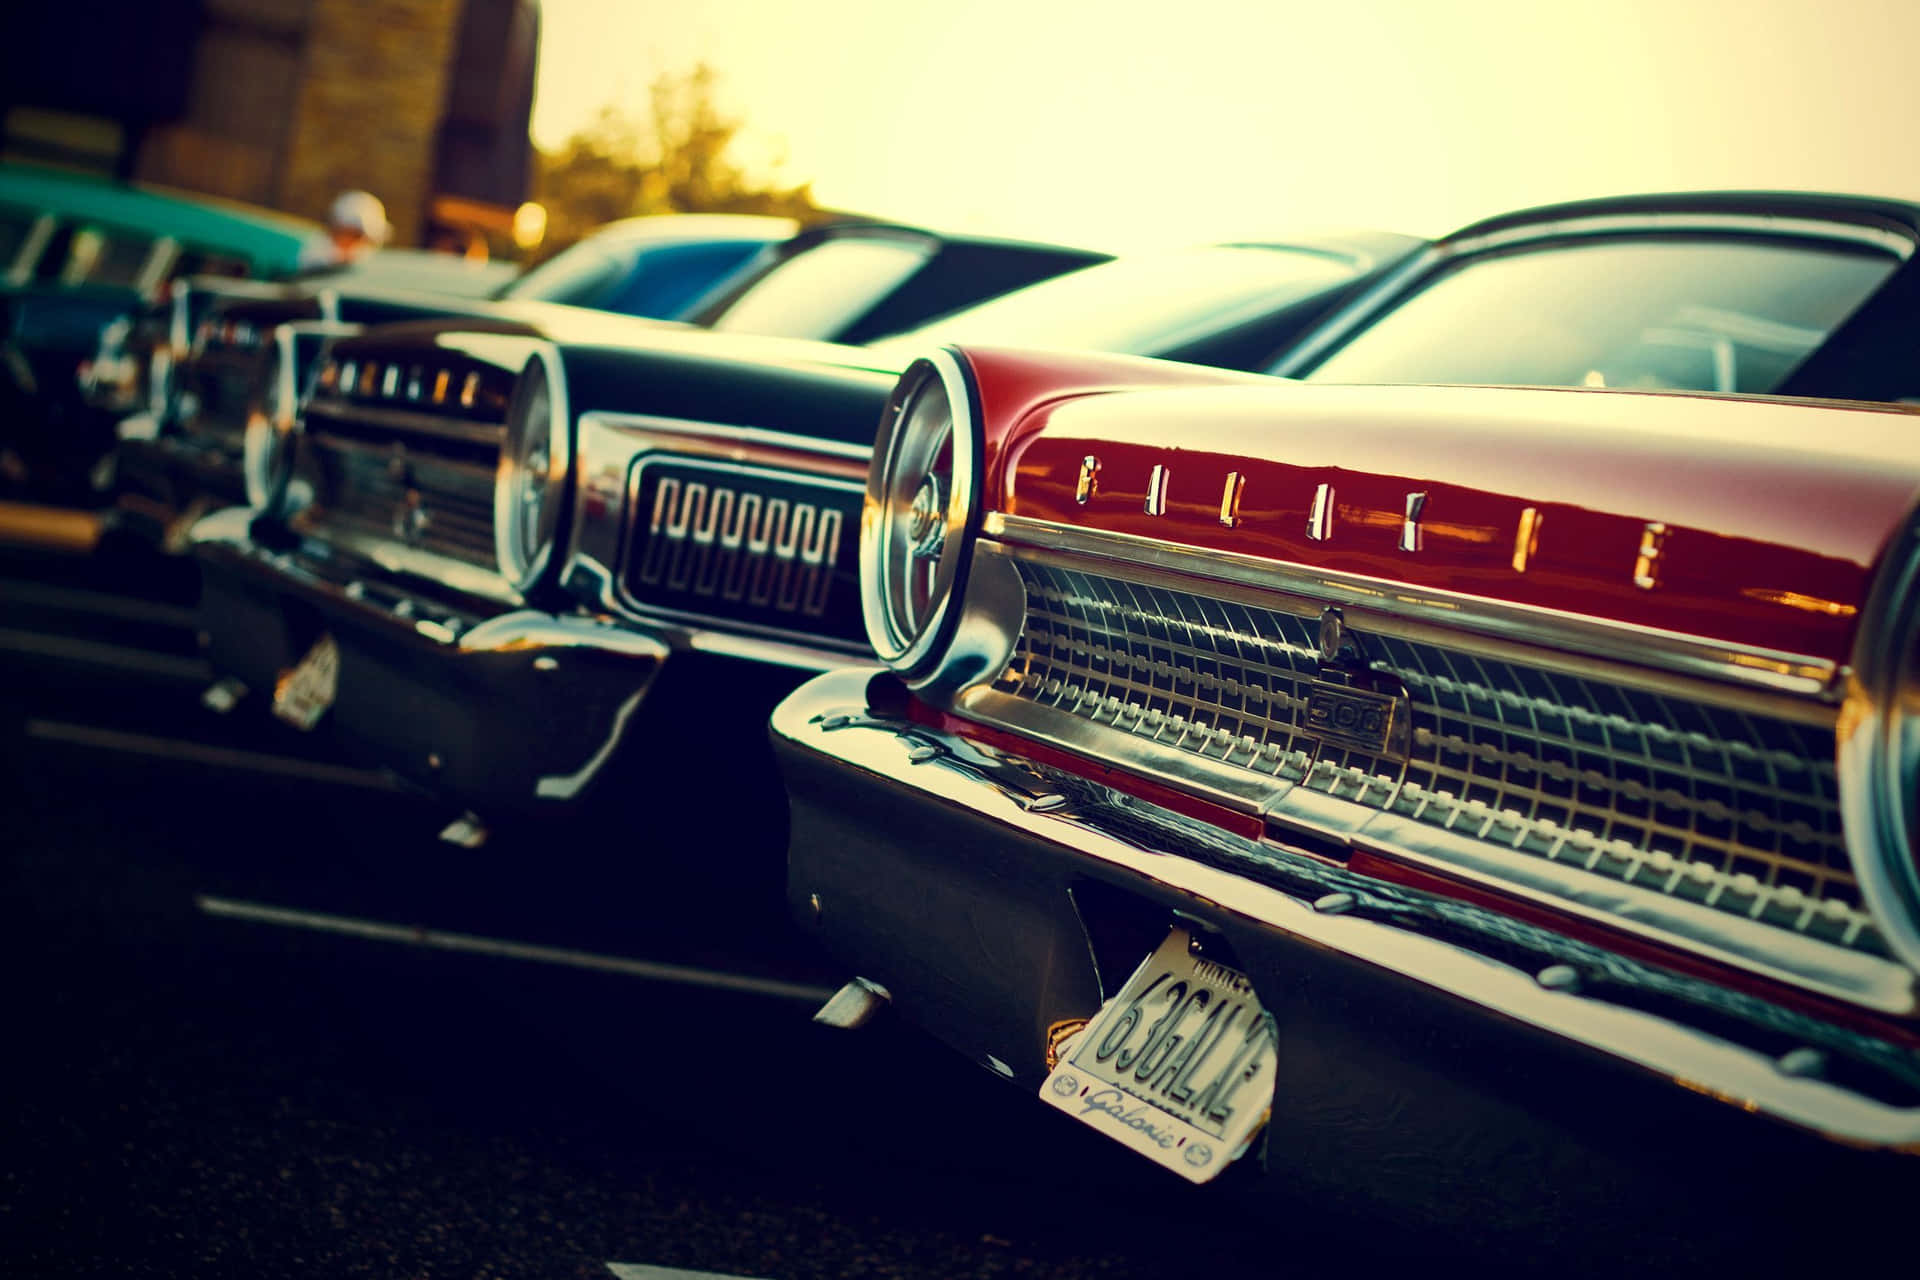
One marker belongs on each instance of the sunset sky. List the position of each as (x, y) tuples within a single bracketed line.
[(1121, 123)]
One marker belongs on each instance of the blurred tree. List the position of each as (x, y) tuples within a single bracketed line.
[(674, 161)]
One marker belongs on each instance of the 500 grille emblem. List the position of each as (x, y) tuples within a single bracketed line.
[(720, 542), (1346, 705)]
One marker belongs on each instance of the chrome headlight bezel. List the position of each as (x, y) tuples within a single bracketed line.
[(1879, 748), (530, 493), (921, 513), (267, 447)]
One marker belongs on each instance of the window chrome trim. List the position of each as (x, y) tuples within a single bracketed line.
[(32, 245), (1370, 305), (1756, 669), (828, 718), (1898, 244), (609, 447)]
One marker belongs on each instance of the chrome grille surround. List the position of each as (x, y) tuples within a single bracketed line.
[(646, 547), (717, 542), (1725, 808), (1556, 778)]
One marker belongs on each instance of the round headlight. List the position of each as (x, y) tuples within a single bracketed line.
[(530, 488), (267, 450), (918, 519), (1879, 749)]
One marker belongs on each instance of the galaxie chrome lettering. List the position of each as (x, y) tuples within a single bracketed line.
[(1646, 568), (1230, 499), (1526, 540), (1089, 479), (712, 540), (1320, 519), (1412, 531)]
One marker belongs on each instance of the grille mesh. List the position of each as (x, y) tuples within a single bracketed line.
[(436, 504), (1729, 809)]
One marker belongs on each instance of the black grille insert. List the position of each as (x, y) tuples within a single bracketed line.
[(766, 549)]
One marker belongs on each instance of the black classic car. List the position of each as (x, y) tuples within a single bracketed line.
[(1478, 809), (700, 390), (834, 282), (460, 556), (635, 495)]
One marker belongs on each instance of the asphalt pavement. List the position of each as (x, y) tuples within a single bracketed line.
[(291, 1084)]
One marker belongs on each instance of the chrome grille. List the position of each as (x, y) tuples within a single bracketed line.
[(224, 385), (409, 496), (1727, 809), (747, 544)]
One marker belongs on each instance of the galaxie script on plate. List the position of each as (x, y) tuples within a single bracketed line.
[(1179, 1065)]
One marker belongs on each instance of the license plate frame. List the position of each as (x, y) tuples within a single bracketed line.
[(1185, 1081)]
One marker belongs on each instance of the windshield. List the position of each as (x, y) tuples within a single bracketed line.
[(636, 277), (576, 273), (818, 292), (1141, 305), (1705, 315)]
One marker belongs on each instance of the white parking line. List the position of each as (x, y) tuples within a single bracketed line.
[(141, 744), (79, 600), (95, 653), (435, 939), (642, 1271)]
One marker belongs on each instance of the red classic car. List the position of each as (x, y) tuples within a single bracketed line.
[(1494, 803)]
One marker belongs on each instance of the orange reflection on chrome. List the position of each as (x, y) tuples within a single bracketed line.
[(1794, 600)]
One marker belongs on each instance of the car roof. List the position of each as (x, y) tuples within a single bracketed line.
[(1820, 206), (268, 239), (697, 226), (958, 271), (1864, 359)]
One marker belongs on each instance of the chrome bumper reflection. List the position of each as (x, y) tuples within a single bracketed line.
[(1328, 907), (509, 708)]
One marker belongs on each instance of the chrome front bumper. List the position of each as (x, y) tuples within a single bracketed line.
[(162, 484), (506, 710), (1427, 1046)]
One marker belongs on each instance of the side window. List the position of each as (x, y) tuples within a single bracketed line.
[(579, 275), (15, 225), (52, 262), (1661, 314), (666, 281), (102, 255), (820, 291), (209, 262)]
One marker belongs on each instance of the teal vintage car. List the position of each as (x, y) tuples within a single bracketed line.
[(81, 253)]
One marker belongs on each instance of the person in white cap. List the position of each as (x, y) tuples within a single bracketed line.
[(356, 226)]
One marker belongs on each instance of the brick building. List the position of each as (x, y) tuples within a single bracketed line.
[(284, 102)]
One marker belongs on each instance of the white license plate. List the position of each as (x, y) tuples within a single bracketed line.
[(305, 691), (1179, 1065)]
